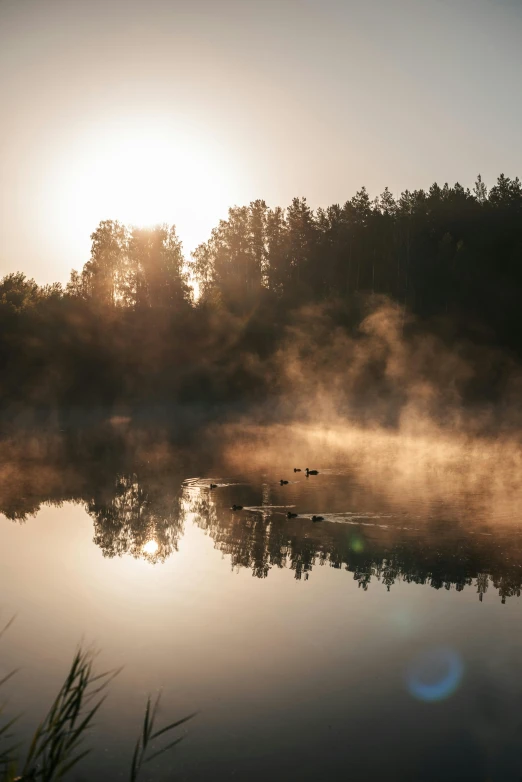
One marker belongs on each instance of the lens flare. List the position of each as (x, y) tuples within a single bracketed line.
[(435, 675), (357, 544)]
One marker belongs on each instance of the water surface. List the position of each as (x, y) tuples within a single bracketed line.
[(383, 641)]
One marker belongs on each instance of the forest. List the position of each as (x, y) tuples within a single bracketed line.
[(141, 324)]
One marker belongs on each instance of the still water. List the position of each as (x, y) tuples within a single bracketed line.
[(383, 641)]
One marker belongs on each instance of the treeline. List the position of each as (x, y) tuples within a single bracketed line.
[(129, 328)]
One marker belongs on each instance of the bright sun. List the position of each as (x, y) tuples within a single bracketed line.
[(141, 173), (147, 176), (151, 547)]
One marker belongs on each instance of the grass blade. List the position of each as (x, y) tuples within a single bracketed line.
[(68, 766), (55, 748), (146, 723), (135, 764), (7, 626), (165, 749), (173, 725), (9, 676)]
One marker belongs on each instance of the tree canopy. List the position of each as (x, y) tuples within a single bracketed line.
[(129, 327)]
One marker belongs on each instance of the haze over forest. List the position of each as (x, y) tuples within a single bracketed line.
[(287, 297), (260, 389)]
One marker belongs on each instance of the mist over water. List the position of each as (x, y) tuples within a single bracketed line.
[(399, 610), (402, 412), (275, 473)]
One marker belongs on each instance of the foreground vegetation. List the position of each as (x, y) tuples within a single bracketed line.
[(128, 329), (58, 744)]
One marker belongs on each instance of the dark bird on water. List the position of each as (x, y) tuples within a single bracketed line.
[(282, 482), (297, 469), (291, 515), (311, 472), (317, 518), (237, 507), (213, 485)]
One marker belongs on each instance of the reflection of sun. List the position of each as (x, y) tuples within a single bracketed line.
[(151, 547)]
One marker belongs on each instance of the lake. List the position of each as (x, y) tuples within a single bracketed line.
[(383, 641)]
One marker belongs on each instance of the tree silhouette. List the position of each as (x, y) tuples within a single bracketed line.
[(126, 330)]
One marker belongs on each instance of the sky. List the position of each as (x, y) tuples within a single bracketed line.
[(173, 110)]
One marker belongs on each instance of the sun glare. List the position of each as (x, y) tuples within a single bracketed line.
[(147, 177), (140, 174), (151, 547)]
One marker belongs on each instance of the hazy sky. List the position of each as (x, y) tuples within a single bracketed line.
[(175, 109)]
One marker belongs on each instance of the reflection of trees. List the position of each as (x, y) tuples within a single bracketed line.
[(246, 542), (256, 541), (115, 476), (260, 542), (132, 516), (133, 492)]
